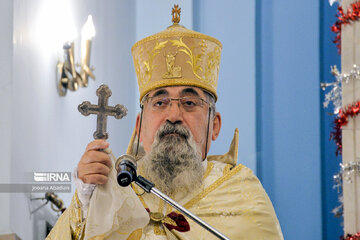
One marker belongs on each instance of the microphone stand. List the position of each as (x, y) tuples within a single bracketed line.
[(149, 187)]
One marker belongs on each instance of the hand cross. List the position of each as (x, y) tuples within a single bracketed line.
[(102, 110)]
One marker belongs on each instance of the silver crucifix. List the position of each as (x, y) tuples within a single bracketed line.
[(102, 110)]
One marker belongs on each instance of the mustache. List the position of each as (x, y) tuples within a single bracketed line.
[(170, 128)]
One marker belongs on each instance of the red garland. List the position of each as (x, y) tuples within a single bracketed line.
[(352, 15), (351, 237), (351, 110)]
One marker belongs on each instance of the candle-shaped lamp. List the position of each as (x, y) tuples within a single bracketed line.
[(87, 33)]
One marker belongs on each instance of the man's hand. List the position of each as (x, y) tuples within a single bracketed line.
[(94, 165)]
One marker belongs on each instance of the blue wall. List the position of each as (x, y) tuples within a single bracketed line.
[(288, 116), (233, 24)]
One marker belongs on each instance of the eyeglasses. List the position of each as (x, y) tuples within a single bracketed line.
[(189, 104)]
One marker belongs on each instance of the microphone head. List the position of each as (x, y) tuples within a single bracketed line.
[(126, 170)]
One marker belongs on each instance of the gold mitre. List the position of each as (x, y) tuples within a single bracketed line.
[(177, 56)]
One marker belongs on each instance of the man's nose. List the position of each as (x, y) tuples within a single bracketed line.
[(175, 114)]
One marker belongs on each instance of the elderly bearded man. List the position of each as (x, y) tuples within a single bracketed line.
[(177, 72)]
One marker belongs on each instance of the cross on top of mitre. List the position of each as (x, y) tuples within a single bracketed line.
[(176, 14), (102, 110)]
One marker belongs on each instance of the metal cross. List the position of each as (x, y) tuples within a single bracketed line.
[(102, 110)]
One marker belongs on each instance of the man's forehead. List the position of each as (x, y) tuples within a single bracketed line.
[(177, 90)]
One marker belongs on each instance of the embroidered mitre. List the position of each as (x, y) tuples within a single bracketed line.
[(177, 56)]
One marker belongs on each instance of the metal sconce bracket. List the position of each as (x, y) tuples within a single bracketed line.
[(67, 78)]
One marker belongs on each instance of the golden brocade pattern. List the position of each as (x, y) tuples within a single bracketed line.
[(213, 210), (76, 218), (149, 63), (173, 33), (213, 66), (136, 59), (177, 56), (231, 199), (195, 59)]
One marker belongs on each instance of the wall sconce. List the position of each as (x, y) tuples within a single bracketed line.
[(67, 76)]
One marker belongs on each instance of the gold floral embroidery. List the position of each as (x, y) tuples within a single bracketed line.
[(77, 224), (144, 78), (149, 67), (176, 33), (203, 46), (137, 65), (213, 64), (195, 59)]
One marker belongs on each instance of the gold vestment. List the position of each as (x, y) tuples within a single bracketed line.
[(231, 199)]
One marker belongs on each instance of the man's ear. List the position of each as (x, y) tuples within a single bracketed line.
[(216, 126), (137, 125)]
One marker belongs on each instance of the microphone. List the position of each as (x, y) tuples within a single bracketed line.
[(126, 170)]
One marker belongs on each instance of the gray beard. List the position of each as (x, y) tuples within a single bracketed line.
[(174, 161)]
